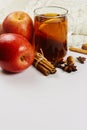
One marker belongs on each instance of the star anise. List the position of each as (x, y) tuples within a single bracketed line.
[(81, 59), (66, 65), (58, 64), (70, 68)]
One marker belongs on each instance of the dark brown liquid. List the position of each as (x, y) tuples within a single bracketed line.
[(51, 36)]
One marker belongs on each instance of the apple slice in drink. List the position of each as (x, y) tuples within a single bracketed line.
[(54, 28)]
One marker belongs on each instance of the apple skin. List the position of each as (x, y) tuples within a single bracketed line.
[(19, 22), (16, 52), (1, 29)]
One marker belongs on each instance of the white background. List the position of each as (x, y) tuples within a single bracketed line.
[(32, 101)]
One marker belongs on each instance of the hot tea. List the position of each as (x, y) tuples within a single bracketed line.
[(51, 35)]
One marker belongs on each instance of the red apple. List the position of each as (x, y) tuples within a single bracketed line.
[(1, 29), (19, 22), (16, 52)]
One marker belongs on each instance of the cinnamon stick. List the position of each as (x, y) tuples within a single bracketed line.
[(78, 50), (43, 65), (43, 70)]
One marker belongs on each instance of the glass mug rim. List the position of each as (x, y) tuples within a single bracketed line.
[(36, 11)]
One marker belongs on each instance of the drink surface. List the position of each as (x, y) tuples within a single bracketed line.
[(51, 36)]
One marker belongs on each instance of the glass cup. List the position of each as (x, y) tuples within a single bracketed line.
[(51, 27)]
